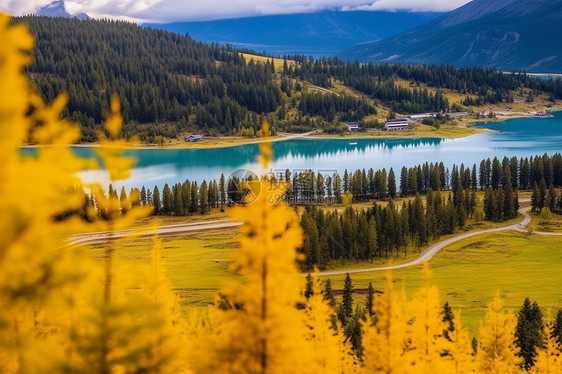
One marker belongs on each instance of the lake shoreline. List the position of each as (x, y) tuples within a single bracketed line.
[(465, 129)]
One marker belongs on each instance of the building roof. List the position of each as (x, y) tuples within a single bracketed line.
[(196, 136), (353, 124)]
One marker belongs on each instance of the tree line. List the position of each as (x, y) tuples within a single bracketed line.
[(500, 181)]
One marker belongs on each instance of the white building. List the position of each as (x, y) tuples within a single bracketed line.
[(353, 126), (416, 117), (398, 124)]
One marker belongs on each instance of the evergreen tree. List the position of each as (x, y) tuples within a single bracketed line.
[(347, 300), (370, 300), (391, 184), (222, 191), (542, 194), (535, 198), (143, 197), (203, 198), (178, 200), (448, 319), (166, 199), (156, 200), (528, 332)]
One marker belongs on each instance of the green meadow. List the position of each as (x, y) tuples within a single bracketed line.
[(468, 273)]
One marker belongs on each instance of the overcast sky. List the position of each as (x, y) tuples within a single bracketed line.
[(195, 10)]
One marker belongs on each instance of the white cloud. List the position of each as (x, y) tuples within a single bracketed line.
[(193, 10)]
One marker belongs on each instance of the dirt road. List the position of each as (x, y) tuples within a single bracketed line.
[(431, 251), (100, 237)]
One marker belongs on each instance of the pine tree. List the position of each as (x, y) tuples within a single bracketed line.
[(222, 191), (167, 203), (528, 332), (391, 184), (347, 300), (156, 200), (124, 201), (178, 200), (203, 198), (369, 301), (448, 319)]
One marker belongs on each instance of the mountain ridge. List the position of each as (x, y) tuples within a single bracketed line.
[(319, 34), (506, 34)]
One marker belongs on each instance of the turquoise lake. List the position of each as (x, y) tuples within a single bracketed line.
[(515, 137)]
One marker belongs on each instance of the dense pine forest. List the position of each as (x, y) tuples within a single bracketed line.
[(168, 83)]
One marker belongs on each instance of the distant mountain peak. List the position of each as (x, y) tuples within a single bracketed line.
[(58, 9)]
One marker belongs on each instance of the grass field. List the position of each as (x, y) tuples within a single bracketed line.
[(554, 224), (197, 265), (469, 273)]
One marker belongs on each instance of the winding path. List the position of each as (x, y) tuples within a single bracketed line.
[(428, 254)]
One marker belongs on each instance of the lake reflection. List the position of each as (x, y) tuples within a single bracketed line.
[(517, 137)]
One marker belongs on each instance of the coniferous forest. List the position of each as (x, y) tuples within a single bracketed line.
[(168, 83)]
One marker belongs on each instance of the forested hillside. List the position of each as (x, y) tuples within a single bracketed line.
[(169, 84)]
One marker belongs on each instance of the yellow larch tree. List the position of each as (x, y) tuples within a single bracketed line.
[(427, 342), (497, 351), (261, 331), (548, 359), (169, 341), (331, 353), (124, 330), (460, 349), (34, 191), (386, 342)]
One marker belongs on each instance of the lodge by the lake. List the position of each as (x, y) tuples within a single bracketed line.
[(398, 124)]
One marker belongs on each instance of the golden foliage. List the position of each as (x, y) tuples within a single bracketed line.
[(331, 353), (386, 342), (497, 352), (61, 311), (548, 359)]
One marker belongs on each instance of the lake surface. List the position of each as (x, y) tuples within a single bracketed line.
[(515, 137)]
